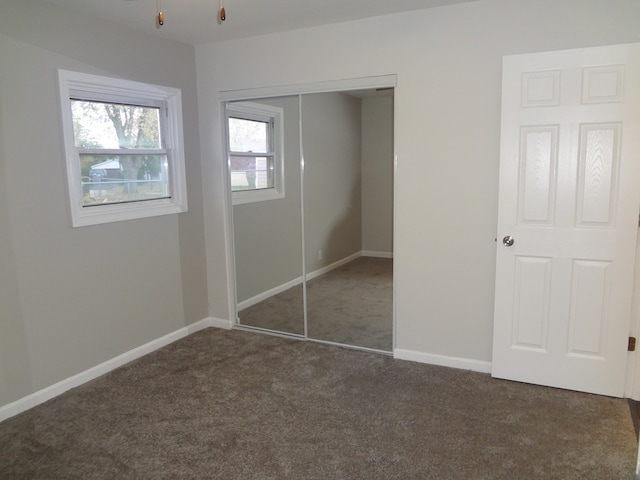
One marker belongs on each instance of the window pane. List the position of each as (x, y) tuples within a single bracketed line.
[(112, 125), (251, 173), (123, 178), (248, 135)]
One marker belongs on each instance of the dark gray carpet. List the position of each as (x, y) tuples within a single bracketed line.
[(239, 405), (351, 305)]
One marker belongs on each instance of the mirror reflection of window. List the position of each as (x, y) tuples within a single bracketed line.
[(249, 141), (255, 137)]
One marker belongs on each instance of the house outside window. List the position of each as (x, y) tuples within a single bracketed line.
[(123, 146), (255, 152)]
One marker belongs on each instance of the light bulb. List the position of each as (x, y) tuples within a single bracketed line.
[(160, 17)]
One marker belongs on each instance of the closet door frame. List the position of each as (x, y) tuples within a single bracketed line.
[(225, 97)]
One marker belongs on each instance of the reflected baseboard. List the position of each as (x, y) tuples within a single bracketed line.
[(373, 253), (333, 266), (249, 302), (296, 281), (268, 294)]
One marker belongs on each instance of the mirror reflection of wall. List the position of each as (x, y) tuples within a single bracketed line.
[(348, 216), (347, 224)]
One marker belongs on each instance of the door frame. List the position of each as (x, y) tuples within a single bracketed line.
[(632, 386)]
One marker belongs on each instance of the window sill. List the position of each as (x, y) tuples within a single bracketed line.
[(249, 196), (86, 216)]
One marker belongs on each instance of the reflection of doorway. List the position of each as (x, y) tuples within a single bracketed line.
[(342, 217), (348, 216)]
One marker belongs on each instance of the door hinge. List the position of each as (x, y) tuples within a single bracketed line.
[(632, 344)]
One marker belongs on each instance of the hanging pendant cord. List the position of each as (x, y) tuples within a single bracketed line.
[(160, 17)]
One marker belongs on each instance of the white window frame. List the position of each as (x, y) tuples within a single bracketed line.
[(266, 113), (83, 86)]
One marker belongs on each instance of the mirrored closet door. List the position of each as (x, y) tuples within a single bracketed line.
[(264, 167), (348, 216), (315, 258)]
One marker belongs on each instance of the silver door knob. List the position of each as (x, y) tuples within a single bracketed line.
[(508, 241)]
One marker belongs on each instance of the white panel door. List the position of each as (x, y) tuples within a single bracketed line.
[(569, 198)]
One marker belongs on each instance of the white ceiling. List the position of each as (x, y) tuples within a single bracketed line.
[(196, 21)]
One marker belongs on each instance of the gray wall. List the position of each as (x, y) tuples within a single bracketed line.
[(331, 142), (268, 235), (72, 298), (448, 63), (377, 175)]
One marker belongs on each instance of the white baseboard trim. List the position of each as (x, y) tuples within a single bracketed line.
[(220, 323), (56, 389), (269, 293), (372, 253), (296, 281), (442, 360), (333, 266)]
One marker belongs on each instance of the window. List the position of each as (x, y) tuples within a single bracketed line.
[(123, 148), (255, 152)]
